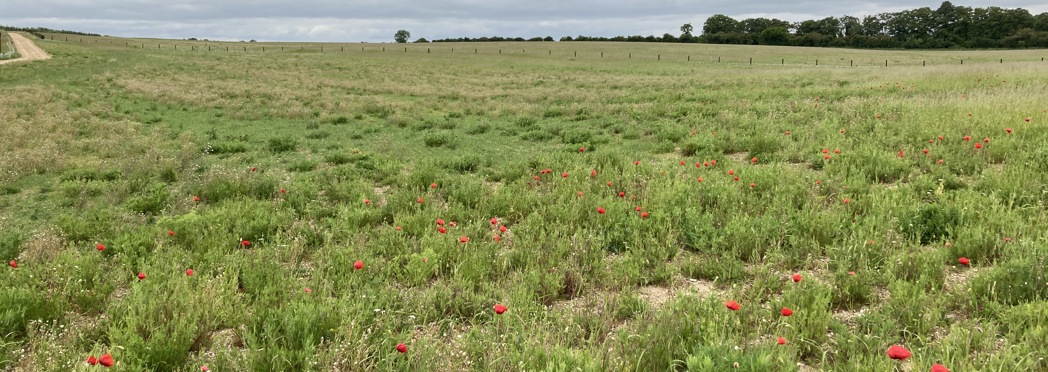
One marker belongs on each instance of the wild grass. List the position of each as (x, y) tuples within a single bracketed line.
[(271, 175)]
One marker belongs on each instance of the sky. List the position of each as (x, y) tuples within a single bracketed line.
[(378, 20)]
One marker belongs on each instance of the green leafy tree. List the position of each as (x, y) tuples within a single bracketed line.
[(402, 36)]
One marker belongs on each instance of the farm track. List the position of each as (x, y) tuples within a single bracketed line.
[(27, 49)]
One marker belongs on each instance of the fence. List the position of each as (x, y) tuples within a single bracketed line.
[(231, 47)]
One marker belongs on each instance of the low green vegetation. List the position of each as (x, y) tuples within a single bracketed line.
[(331, 206)]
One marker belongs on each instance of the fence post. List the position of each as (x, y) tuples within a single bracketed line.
[(631, 55), (342, 49), (783, 62), (751, 60), (500, 51), (427, 50), (576, 53), (851, 62), (601, 54), (962, 61), (1002, 60), (885, 63), (475, 51), (718, 59), (658, 58), (924, 63), (689, 58), (816, 62)]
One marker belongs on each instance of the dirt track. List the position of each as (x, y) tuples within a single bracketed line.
[(27, 50)]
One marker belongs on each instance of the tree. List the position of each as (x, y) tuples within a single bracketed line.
[(775, 36), (687, 29), (402, 36), (720, 23)]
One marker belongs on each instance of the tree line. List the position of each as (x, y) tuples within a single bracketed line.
[(948, 26)]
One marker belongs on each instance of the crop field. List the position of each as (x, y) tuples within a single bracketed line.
[(651, 210)]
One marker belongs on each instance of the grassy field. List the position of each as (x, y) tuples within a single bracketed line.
[(307, 210), (6, 47)]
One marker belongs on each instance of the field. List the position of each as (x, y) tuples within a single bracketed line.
[(307, 210), (6, 48)]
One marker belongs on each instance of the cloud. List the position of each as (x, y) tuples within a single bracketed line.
[(377, 20)]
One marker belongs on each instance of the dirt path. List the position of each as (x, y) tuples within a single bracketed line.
[(27, 49)]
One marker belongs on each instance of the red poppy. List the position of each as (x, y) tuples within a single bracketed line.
[(420, 200), (636, 162), (797, 278), (682, 162), (358, 265), (1009, 130), (827, 157), (842, 130), (878, 116), (705, 164), (902, 154), (442, 230), (401, 348), (91, 360), (939, 368), (503, 228), (100, 247), (283, 191), (898, 352), (367, 201), (940, 161), (1027, 120), (986, 139), (731, 172), (463, 239), (787, 133), (245, 243), (964, 261), (309, 290), (836, 151), (735, 179), (925, 151), (825, 151), (978, 145), (253, 169), (852, 273), (189, 272), (565, 174), (700, 179), (204, 368), (196, 198), (580, 193), (600, 210), (967, 138), (782, 341), (582, 149), (170, 233), (433, 185), (622, 194), (752, 185), (13, 264), (732, 305), (440, 222), (141, 276), (847, 200), (786, 311), (398, 228), (609, 183), (713, 162), (494, 221), (497, 238), (537, 178), (499, 309), (593, 173), (818, 182), (1007, 240), (643, 214), (754, 160), (106, 361)]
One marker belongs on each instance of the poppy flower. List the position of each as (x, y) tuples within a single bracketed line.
[(682, 162), (700, 179), (731, 172), (537, 178), (637, 209), (787, 133), (705, 164), (245, 243), (13, 264), (398, 228), (622, 194), (964, 261), (497, 238), (283, 191), (940, 161), (440, 222), (463, 239), (735, 179), (782, 341), (837, 151), (189, 272), (978, 145), (494, 221), (170, 233), (754, 160), (786, 311), (902, 154), (499, 309), (141, 276), (452, 223), (580, 193), (643, 214), (401, 348), (309, 290), (593, 173), (732, 305), (420, 200), (940, 138), (609, 183), (92, 360), (825, 151), (713, 162), (878, 116), (367, 201), (797, 278), (503, 228), (986, 139), (852, 273), (433, 185), (565, 174), (752, 185), (253, 169), (442, 230), (358, 265), (106, 361), (842, 130), (1027, 120), (204, 368), (100, 247), (898, 352), (847, 200), (939, 368), (1009, 130), (582, 149), (1007, 240), (196, 198), (967, 138), (925, 151), (636, 162), (600, 210)]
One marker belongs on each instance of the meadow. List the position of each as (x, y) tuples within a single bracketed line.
[(183, 210)]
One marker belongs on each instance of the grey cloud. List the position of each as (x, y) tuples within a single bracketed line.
[(375, 20)]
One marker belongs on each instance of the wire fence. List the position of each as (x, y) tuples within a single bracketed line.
[(563, 50)]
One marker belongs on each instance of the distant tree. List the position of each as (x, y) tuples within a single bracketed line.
[(719, 23), (685, 33), (775, 36), (548, 38), (421, 40), (402, 36)]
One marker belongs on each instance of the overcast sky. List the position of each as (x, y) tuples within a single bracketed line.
[(378, 20)]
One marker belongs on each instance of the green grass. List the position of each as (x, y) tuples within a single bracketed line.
[(323, 159), (7, 48)]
